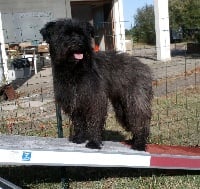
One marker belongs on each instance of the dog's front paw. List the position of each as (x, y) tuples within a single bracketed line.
[(138, 143), (139, 147), (78, 140), (94, 145)]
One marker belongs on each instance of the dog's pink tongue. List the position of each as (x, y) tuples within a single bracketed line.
[(78, 56)]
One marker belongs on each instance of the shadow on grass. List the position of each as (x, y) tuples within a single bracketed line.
[(114, 136), (27, 176), (23, 176)]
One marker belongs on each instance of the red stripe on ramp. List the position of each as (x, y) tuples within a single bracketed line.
[(175, 162), (173, 150)]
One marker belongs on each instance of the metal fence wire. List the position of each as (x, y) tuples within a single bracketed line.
[(176, 103)]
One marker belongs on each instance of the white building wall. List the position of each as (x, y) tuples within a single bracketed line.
[(56, 7), (21, 21)]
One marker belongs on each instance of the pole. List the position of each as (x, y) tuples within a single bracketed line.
[(2, 77), (119, 25), (64, 180), (3, 57), (162, 30)]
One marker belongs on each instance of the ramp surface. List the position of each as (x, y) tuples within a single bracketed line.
[(30, 150)]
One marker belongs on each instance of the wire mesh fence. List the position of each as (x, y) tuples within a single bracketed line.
[(176, 104), (176, 101)]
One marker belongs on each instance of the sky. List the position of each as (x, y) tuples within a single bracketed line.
[(130, 9)]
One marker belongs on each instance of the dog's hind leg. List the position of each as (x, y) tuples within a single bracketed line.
[(138, 119), (119, 111), (134, 119), (140, 131)]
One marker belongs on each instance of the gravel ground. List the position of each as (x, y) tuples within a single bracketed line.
[(180, 71)]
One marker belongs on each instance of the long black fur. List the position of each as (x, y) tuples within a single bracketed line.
[(83, 86)]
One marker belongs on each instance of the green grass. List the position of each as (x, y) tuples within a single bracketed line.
[(101, 178), (176, 118), (175, 121)]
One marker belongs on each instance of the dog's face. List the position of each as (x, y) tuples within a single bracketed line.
[(68, 38)]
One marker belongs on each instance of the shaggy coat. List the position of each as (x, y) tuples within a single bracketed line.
[(84, 81)]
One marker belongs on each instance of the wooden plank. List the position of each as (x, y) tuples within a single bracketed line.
[(26, 150), (30, 150)]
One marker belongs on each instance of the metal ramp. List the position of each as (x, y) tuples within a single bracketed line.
[(5, 184)]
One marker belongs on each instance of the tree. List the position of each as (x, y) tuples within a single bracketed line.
[(185, 14), (144, 29)]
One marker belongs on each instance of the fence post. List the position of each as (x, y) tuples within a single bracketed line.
[(64, 180), (59, 121)]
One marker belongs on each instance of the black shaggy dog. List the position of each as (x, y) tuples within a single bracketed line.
[(84, 81)]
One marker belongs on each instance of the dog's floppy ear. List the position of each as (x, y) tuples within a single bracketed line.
[(47, 31)]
